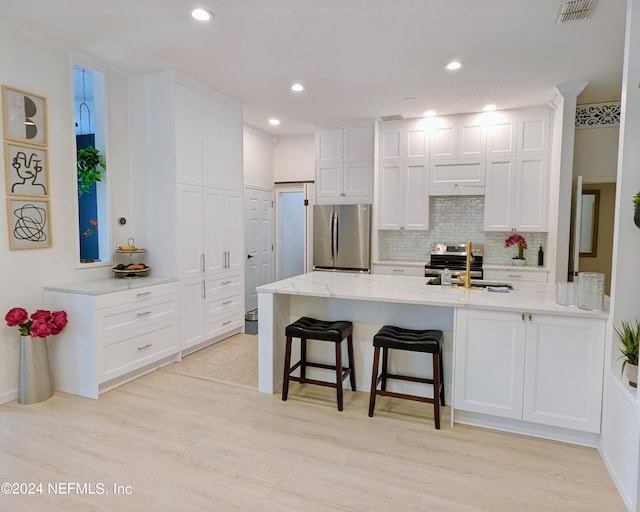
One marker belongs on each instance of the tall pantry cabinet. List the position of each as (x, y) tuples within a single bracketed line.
[(186, 156)]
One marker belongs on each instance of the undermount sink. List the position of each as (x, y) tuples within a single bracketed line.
[(481, 284)]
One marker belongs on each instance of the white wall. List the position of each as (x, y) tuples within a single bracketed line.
[(35, 66), (258, 151), (295, 159), (596, 154)]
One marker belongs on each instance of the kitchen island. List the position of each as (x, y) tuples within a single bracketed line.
[(515, 361)]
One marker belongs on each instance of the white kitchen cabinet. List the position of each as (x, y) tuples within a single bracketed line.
[(517, 274), (115, 333), (403, 141), (538, 368), (344, 164), (456, 137), (457, 177), (186, 147), (516, 194), (403, 201), (398, 268)]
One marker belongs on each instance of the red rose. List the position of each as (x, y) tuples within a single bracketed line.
[(41, 314), (58, 321), (40, 329), (16, 316)]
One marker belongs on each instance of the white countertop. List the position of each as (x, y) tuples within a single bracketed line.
[(101, 286), (526, 297)]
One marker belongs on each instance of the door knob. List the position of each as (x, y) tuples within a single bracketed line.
[(249, 256)]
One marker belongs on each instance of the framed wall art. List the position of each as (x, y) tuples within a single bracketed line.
[(26, 170), (29, 223), (24, 116)]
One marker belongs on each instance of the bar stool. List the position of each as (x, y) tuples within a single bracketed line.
[(307, 328), (398, 338)]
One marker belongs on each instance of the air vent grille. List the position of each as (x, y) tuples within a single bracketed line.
[(394, 117), (575, 10)]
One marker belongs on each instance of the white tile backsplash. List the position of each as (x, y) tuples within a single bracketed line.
[(455, 219)]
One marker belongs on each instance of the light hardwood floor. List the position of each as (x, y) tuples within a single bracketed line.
[(184, 442)]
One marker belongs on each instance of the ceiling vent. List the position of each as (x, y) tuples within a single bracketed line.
[(575, 10), (394, 117)]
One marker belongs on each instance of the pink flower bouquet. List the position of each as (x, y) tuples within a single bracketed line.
[(40, 324), (518, 240)]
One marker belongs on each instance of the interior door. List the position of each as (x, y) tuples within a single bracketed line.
[(258, 242), (576, 219)]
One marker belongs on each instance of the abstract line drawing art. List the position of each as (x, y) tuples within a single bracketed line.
[(24, 116), (29, 223), (26, 170)]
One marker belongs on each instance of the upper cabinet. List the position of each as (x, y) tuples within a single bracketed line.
[(458, 150), (208, 147), (517, 175), (344, 164), (403, 141)]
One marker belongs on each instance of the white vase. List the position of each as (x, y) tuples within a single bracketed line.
[(519, 263), (35, 378), (631, 371)]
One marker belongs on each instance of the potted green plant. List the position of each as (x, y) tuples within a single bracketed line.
[(629, 337), (91, 165), (636, 209)]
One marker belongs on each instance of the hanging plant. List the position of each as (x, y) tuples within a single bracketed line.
[(91, 165)]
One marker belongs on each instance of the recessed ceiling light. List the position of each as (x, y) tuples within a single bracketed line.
[(201, 14), (489, 108), (297, 88), (429, 113), (274, 122), (453, 65)]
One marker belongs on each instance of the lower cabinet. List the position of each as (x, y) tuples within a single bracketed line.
[(530, 274), (543, 369), (112, 336)]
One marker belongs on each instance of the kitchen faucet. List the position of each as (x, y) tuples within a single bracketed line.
[(466, 278)]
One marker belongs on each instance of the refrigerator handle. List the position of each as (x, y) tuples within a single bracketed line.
[(337, 235), (331, 229)]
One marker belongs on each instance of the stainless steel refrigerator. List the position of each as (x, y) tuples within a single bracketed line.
[(342, 237)]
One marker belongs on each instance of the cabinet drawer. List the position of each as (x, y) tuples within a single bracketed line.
[(224, 304), (220, 324), (123, 318), (135, 295), (226, 285), (537, 276), (399, 270), (122, 354)]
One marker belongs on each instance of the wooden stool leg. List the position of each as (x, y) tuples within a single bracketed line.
[(303, 359), (287, 365), (441, 381), (374, 381), (385, 361), (339, 374), (352, 374), (436, 389)]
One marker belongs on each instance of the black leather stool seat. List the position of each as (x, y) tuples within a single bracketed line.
[(311, 328), (414, 340), (307, 328), (390, 336)]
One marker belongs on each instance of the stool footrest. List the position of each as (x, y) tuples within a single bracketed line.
[(415, 398), (422, 380), (313, 381)]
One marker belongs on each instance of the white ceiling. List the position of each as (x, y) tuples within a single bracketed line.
[(356, 58)]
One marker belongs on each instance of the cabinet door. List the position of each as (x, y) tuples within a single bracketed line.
[(472, 138), (444, 139), (416, 196), (358, 181), (531, 196), (188, 136), (232, 230), (564, 371), (390, 198), (190, 229), (215, 219), (533, 134), (328, 182), (489, 363), (416, 142), (222, 145), (329, 148), (191, 312), (391, 141), (500, 183), (501, 135), (358, 144)]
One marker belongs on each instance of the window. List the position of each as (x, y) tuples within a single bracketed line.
[(93, 224)]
